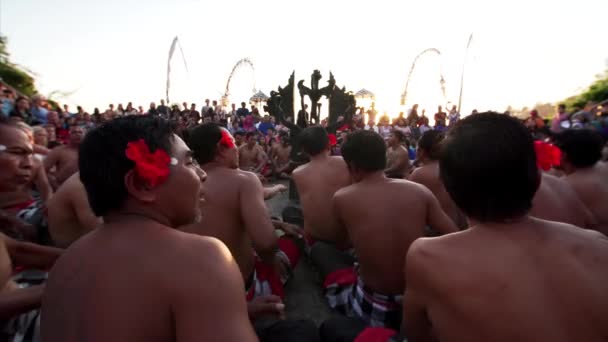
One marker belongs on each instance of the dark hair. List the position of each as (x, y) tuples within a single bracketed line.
[(250, 134), (238, 133), (583, 147), (430, 142), (365, 150), (203, 141), (488, 166), (313, 140), (102, 160), (398, 134)]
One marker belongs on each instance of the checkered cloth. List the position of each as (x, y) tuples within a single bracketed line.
[(346, 293), (36, 215)]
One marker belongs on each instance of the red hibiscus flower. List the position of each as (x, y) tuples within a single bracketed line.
[(227, 139), (547, 155), (153, 168), (332, 139)]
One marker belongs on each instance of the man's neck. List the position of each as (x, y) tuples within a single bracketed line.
[(134, 212), (373, 177), (320, 157)]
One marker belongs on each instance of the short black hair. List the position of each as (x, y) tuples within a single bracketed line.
[(313, 140), (488, 166), (430, 142), (583, 147), (398, 134), (203, 141), (102, 160), (250, 134), (365, 150), (238, 133)]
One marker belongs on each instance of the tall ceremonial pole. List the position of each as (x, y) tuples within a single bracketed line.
[(174, 44), (466, 53)]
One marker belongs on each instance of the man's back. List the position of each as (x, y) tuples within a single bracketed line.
[(529, 281), (222, 217), (69, 214), (125, 284), (428, 175), (317, 182), (555, 200), (591, 185), (383, 219)]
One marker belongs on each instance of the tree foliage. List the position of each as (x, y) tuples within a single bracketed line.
[(597, 92), (14, 75)]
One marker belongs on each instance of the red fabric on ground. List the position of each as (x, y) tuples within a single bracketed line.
[(341, 277), (375, 335), (289, 247)]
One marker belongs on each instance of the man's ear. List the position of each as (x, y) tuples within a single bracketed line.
[(138, 188)]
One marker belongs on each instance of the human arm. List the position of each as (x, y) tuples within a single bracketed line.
[(18, 301), (31, 255), (41, 149), (416, 324), (51, 159), (42, 183), (208, 300), (255, 217), (270, 192), (343, 241), (289, 229), (437, 219)]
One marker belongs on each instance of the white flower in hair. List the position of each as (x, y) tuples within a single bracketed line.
[(173, 161)]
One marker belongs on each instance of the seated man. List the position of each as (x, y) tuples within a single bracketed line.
[(509, 277), (236, 214), (317, 181), (381, 217), (397, 156), (16, 160), (555, 200), (581, 153), (429, 148), (139, 275), (69, 213), (279, 157), (251, 156), (64, 158)]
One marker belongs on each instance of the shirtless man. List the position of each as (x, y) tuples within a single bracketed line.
[(251, 155), (317, 181), (16, 155), (139, 275), (64, 158), (234, 209), (69, 213), (279, 155), (556, 200), (509, 277), (428, 175), (398, 161), (381, 217), (581, 153)]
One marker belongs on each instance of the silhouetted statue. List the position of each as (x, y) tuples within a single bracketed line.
[(314, 93), (342, 103)]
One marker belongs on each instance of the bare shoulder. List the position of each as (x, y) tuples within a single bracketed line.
[(338, 161), (194, 247), (301, 170)]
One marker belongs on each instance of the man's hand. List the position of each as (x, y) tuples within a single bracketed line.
[(280, 188), (282, 267), (266, 305), (290, 229)]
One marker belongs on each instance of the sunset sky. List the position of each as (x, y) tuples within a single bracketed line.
[(112, 51)]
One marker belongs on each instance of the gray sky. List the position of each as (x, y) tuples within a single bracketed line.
[(116, 51)]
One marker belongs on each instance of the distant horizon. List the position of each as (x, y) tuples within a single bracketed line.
[(522, 53)]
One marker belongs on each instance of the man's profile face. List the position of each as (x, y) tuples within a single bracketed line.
[(186, 178), (76, 134), (16, 155), (250, 140), (238, 139)]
